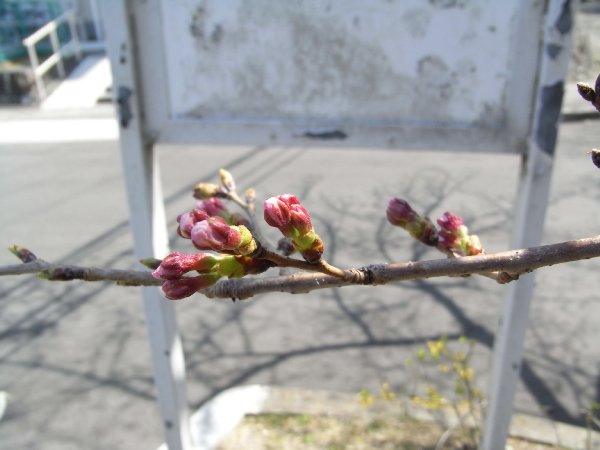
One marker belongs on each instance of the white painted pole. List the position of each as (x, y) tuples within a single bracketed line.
[(529, 219), (60, 64), (146, 211), (39, 82)]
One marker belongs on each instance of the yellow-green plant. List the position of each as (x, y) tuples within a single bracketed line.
[(452, 359), (592, 422)]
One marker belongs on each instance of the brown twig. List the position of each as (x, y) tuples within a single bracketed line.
[(235, 198), (60, 272), (512, 263), (354, 276)]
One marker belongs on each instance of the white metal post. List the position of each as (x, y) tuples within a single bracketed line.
[(60, 65), (39, 84), (146, 210), (532, 199)]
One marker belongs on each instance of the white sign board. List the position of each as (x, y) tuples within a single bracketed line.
[(445, 74)]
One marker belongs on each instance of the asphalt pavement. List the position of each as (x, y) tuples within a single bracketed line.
[(74, 356)]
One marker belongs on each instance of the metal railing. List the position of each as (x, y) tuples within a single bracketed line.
[(58, 51)]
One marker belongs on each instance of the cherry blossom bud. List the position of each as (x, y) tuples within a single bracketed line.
[(291, 218), (227, 180), (184, 287), (213, 207), (286, 213), (452, 232), (400, 213), (449, 222), (216, 234), (175, 265), (207, 190), (187, 221), (454, 236)]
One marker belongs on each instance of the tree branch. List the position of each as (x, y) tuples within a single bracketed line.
[(510, 264), (61, 272)]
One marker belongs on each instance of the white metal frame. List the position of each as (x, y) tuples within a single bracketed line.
[(58, 51), (147, 216), (531, 202), (540, 57)]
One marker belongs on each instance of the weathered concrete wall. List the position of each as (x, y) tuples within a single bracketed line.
[(374, 62)]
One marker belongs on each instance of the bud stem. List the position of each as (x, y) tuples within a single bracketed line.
[(321, 265)]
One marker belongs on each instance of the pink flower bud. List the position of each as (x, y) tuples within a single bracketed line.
[(454, 236), (215, 234), (286, 213), (187, 221), (291, 218), (175, 265), (184, 287), (452, 232), (400, 213), (449, 222), (213, 207)]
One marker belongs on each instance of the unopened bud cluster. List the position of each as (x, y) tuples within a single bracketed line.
[(451, 237), (210, 268), (285, 213), (400, 213), (454, 236), (229, 249), (211, 227)]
